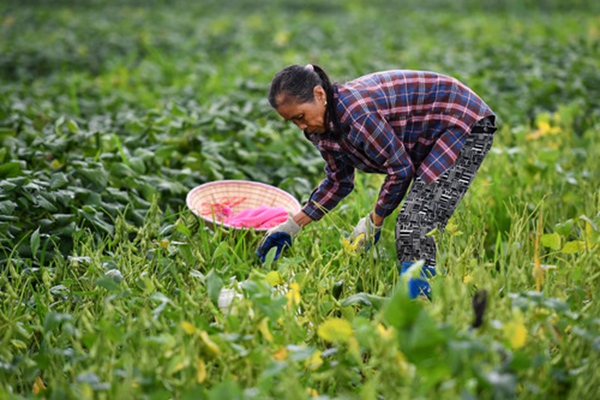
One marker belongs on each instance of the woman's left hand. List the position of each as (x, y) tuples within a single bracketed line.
[(365, 234)]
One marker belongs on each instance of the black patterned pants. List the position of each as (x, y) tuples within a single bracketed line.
[(430, 206)]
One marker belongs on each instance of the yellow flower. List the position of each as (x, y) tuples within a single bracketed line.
[(56, 164), (516, 332), (263, 327), (544, 128), (314, 361), (282, 38), (349, 246), (335, 329), (280, 354), (274, 278), (188, 327), (38, 386), (385, 333), (293, 295)]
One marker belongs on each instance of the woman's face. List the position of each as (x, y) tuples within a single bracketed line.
[(310, 116)]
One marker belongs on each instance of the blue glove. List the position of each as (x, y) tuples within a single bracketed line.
[(418, 286), (365, 234), (280, 237)]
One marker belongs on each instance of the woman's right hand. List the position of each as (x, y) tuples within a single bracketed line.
[(280, 237)]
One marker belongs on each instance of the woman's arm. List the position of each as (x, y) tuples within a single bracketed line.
[(377, 220), (302, 219), (337, 184)]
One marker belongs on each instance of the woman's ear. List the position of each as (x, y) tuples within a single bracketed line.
[(319, 93)]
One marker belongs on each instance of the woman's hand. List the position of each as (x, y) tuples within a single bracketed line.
[(366, 233), (280, 237)]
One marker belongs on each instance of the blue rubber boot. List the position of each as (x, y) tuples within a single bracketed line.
[(418, 286)]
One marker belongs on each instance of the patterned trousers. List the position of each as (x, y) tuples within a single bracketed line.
[(430, 206)]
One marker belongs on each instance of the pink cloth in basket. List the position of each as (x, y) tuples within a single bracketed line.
[(261, 217)]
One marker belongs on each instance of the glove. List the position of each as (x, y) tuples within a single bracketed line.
[(279, 236), (365, 234)]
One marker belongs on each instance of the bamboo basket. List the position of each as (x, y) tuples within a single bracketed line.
[(205, 200)]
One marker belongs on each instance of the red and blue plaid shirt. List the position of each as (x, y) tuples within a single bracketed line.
[(400, 123)]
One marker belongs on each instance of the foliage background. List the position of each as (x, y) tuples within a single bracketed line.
[(110, 112)]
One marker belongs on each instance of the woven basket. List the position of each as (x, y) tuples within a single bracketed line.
[(204, 200)]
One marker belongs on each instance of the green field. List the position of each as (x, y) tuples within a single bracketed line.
[(110, 112)]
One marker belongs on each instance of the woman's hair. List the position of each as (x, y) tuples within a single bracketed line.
[(296, 83)]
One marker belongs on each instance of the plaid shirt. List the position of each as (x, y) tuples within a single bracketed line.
[(400, 123)]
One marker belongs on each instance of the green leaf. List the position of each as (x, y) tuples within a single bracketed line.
[(548, 155), (573, 247), (52, 320), (11, 169), (58, 123), (424, 335), (520, 361), (34, 242), (95, 219), (228, 389), (366, 299), (137, 165), (270, 258), (122, 170), (564, 228), (63, 197), (551, 240), (222, 250), (7, 207), (183, 229), (62, 219), (42, 360), (214, 283), (73, 127), (58, 180), (107, 283), (97, 176), (11, 184), (66, 230), (401, 312), (43, 203)]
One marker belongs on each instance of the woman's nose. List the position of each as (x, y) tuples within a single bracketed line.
[(302, 125)]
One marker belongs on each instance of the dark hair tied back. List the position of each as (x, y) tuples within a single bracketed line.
[(296, 83)]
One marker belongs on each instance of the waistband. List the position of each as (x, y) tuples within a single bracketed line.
[(485, 125)]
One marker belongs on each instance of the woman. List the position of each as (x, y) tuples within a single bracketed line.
[(415, 127)]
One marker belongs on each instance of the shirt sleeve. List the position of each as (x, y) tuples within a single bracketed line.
[(375, 137), (337, 184)]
